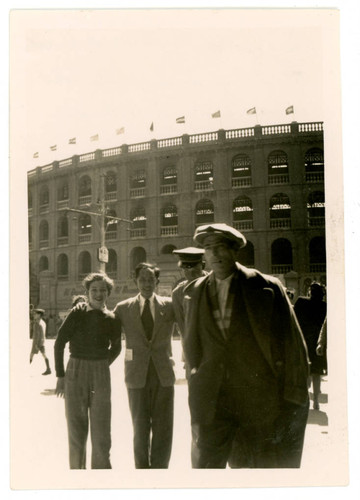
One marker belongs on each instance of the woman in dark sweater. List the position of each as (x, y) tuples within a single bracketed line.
[(94, 336)]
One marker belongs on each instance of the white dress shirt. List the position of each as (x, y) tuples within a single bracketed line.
[(222, 287)]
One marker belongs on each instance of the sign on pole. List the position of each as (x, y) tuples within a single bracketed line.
[(103, 255)]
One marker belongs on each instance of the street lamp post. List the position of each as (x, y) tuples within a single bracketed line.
[(103, 254)]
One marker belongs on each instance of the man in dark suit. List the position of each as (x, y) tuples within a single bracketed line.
[(147, 320), (248, 361)]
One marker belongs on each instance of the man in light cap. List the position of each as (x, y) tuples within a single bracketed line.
[(248, 361)]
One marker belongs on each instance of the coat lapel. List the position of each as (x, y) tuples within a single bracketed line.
[(136, 316), (259, 302)]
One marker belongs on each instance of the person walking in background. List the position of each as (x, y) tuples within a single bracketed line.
[(147, 321), (247, 358), (94, 338), (311, 313), (322, 340), (39, 335)]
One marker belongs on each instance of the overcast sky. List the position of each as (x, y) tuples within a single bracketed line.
[(78, 74)]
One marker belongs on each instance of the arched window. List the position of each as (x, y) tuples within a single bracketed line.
[(317, 254), (63, 191), (44, 234), (138, 218), (168, 181), (111, 265), (204, 212), (168, 249), (137, 255), (246, 255), (84, 265), (314, 165), (281, 256), (30, 199), (63, 267), (110, 225), (43, 263), (85, 191), (85, 228), (241, 171), (30, 234), (316, 209), (137, 183), (280, 211), (242, 213), (44, 199), (63, 230), (278, 168), (204, 176), (169, 221), (110, 186)]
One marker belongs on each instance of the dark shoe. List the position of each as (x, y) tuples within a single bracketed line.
[(316, 406), (47, 372)]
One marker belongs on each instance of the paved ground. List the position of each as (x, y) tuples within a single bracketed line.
[(40, 446)]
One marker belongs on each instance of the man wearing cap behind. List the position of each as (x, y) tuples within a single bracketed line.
[(248, 361), (38, 343), (192, 264)]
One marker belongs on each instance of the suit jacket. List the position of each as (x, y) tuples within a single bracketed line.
[(271, 321), (139, 350)]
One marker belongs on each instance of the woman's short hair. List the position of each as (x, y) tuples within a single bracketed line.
[(147, 265), (90, 278)]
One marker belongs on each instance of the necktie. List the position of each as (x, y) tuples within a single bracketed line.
[(147, 319)]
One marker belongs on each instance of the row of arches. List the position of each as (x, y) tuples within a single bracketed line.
[(242, 214), (281, 258), (241, 174)]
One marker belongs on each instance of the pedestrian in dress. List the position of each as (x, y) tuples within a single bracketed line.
[(39, 335)]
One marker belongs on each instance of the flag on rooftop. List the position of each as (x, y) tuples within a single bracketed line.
[(289, 110), (152, 127), (36, 155), (120, 130), (94, 137), (181, 119), (217, 114), (72, 140), (53, 148), (251, 111)]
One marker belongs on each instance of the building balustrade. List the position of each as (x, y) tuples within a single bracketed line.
[(63, 203), (111, 235), (44, 209), (63, 240), (43, 244), (63, 277), (168, 189), (318, 268), (280, 223), (138, 233), (85, 200), (84, 238), (314, 177), (316, 221), (281, 268), (110, 196), (204, 186), (137, 192), (240, 182), (169, 230), (278, 179), (243, 225)]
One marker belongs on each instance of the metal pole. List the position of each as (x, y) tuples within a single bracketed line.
[(102, 265)]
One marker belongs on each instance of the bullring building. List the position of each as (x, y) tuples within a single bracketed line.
[(266, 181)]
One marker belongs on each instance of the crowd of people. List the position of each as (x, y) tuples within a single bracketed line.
[(248, 355)]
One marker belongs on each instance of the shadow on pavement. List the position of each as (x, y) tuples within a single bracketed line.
[(318, 417)]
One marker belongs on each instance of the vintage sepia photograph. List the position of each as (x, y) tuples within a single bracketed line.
[(177, 272)]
